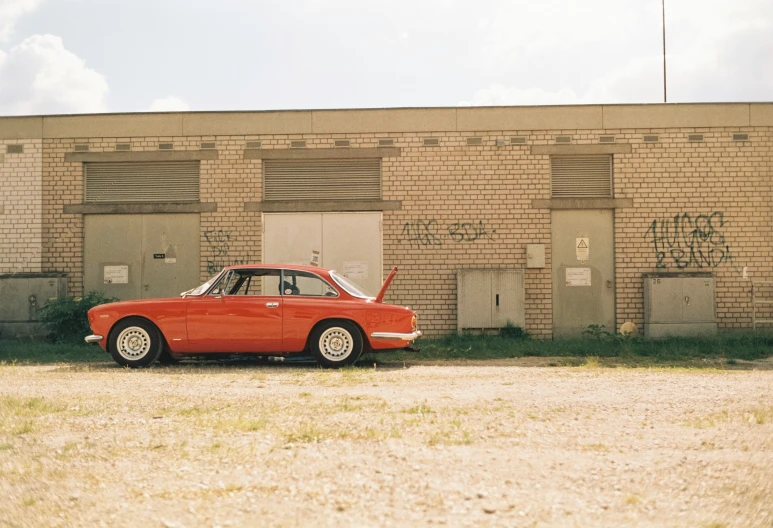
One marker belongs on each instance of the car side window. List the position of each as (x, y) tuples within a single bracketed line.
[(306, 284), (222, 284), (254, 282)]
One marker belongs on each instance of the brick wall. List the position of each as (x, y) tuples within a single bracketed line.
[(230, 235), (716, 192), (21, 210), (463, 207), (63, 233), (469, 206)]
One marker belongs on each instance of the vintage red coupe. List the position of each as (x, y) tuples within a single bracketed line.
[(259, 309)]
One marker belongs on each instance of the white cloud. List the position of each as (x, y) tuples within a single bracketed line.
[(169, 104), (40, 76), (10, 12)]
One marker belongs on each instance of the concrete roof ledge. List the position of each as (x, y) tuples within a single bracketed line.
[(113, 125), (530, 118), (676, 115), (384, 120), (761, 114), (21, 127), (390, 120), (246, 123)]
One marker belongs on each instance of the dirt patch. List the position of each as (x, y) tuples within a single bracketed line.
[(464, 444)]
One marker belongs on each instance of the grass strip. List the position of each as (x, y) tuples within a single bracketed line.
[(728, 346), (41, 352)]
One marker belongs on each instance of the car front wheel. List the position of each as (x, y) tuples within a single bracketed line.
[(336, 344), (135, 343)]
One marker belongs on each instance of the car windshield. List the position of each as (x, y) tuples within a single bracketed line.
[(201, 290), (350, 288)]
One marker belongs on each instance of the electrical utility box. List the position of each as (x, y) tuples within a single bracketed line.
[(22, 295), (679, 304), (489, 299)]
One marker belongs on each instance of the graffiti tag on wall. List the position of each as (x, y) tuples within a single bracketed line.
[(219, 242), (684, 242), (429, 233)]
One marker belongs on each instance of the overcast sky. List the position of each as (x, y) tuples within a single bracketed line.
[(81, 56)]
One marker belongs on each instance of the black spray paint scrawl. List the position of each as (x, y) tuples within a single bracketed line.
[(684, 242), (428, 233), (219, 245)]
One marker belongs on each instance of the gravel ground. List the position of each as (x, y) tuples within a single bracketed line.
[(456, 445)]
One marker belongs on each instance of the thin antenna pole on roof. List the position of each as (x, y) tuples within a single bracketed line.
[(663, 11)]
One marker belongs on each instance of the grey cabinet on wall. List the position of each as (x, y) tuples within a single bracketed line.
[(679, 304), (487, 299), (22, 295)]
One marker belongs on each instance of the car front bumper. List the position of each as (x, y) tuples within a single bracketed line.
[(395, 336), (94, 338)]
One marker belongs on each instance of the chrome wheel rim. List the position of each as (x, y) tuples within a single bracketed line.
[(133, 343), (336, 344)]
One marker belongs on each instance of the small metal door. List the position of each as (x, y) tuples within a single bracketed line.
[(583, 271), (507, 299), (473, 299), (698, 300)]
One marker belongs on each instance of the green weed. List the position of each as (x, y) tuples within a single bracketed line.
[(418, 409)]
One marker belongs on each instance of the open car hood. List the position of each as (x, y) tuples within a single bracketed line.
[(385, 287)]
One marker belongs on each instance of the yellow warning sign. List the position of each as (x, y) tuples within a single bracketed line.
[(583, 248)]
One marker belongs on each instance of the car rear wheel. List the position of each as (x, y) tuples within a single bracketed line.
[(336, 344), (135, 343)]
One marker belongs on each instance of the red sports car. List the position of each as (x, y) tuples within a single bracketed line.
[(259, 309)]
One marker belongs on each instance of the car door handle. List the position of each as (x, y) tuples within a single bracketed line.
[(272, 305)]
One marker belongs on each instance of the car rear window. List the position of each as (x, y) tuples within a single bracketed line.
[(350, 287)]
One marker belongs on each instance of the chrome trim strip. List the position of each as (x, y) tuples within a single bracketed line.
[(93, 338), (396, 336)]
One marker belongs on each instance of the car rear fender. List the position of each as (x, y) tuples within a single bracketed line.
[(365, 339)]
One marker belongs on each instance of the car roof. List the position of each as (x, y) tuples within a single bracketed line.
[(313, 269)]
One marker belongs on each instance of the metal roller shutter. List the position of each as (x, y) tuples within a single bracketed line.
[(335, 179), (166, 181), (581, 176)]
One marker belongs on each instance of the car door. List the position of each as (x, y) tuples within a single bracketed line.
[(307, 299), (243, 313)]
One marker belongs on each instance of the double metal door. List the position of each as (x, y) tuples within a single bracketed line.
[(141, 256)]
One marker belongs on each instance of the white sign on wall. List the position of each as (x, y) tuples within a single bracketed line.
[(583, 248), (356, 269), (116, 274), (578, 276)]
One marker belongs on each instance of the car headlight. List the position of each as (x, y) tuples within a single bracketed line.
[(413, 323)]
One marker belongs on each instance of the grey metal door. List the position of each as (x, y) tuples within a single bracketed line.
[(170, 254), (473, 299), (141, 256), (583, 271), (112, 255), (350, 243), (507, 299)]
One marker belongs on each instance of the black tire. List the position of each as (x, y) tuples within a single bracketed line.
[(135, 343), (336, 343), (166, 358)]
